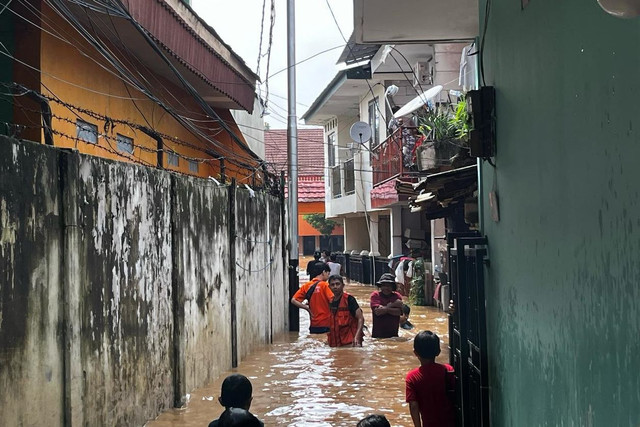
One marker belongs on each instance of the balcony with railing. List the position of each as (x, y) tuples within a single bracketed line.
[(394, 156), (343, 179), (343, 189)]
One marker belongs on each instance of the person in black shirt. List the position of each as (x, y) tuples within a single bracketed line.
[(236, 396), (314, 261)]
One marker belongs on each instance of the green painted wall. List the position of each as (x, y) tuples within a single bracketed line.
[(6, 67), (563, 290)]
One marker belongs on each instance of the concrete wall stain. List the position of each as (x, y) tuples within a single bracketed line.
[(153, 267), (30, 241), (201, 229)]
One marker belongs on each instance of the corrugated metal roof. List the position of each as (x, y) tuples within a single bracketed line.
[(190, 50), (354, 52)]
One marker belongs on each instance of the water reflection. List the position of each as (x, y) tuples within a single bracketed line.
[(300, 381)]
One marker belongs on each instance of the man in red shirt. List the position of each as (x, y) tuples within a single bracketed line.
[(427, 385), (318, 295), (386, 306)]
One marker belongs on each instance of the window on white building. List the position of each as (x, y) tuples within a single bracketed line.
[(331, 149), (374, 122)]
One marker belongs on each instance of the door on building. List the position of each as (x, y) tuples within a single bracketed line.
[(467, 327), (332, 243), (308, 245)]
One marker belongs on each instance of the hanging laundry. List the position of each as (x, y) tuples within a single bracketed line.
[(468, 78)]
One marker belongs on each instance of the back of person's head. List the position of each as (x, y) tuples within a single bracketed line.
[(317, 255), (326, 253), (374, 420), (238, 417), (406, 309), (426, 345), (318, 268), (333, 257), (236, 392)]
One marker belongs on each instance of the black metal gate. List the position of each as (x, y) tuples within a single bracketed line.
[(467, 328)]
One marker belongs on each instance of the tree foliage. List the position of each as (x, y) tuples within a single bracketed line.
[(319, 222)]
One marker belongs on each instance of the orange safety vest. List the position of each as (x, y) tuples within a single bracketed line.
[(343, 326)]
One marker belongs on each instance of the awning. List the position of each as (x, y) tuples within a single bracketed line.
[(438, 194), (217, 74)]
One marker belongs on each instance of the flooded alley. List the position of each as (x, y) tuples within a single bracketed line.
[(300, 381)]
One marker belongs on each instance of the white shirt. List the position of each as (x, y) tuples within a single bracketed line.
[(335, 268)]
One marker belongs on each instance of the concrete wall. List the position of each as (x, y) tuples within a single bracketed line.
[(31, 340), (563, 284), (356, 234), (201, 282), (124, 292), (252, 271), (252, 127), (119, 291)]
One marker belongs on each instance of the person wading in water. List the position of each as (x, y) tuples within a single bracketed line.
[(347, 320), (386, 306), (317, 294)]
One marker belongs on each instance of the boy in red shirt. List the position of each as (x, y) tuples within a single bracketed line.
[(427, 385)]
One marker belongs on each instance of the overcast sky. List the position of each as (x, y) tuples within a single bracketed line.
[(238, 24)]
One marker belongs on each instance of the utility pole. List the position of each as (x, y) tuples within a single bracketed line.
[(292, 142)]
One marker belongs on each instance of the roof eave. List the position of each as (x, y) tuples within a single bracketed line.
[(325, 95)]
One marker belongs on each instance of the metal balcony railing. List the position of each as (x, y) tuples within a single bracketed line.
[(394, 155)]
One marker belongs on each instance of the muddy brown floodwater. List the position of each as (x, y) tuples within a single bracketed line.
[(300, 381)]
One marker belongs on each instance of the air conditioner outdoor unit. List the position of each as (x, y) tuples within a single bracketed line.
[(423, 73)]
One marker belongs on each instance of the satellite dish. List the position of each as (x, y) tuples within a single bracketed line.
[(418, 101), (360, 132)]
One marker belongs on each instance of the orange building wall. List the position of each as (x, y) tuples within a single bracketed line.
[(80, 81), (304, 228)]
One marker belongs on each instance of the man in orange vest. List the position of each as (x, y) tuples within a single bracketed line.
[(318, 295), (347, 320)]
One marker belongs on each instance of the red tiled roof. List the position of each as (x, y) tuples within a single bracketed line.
[(310, 189), (384, 195), (310, 151)]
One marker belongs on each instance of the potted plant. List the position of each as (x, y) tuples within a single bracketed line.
[(445, 136)]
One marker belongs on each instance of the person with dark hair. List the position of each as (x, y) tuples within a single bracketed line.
[(335, 266), (427, 385), (347, 319), (325, 256), (235, 393), (404, 317), (314, 261), (238, 417), (374, 420), (318, 295), (386, 305)]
